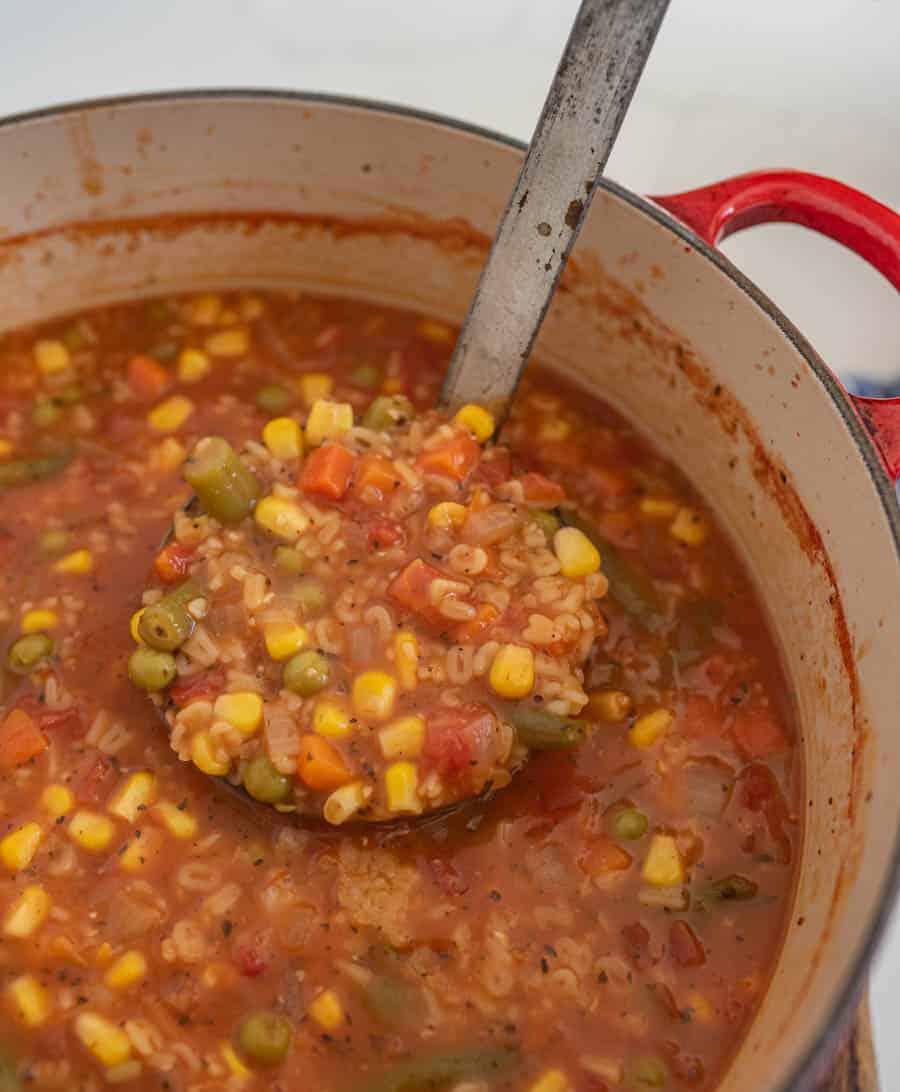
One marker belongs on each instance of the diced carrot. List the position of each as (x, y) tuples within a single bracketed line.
[(476, 627), (757, 733), (375, 479), (540, 490), (20, 739), (147, 378), (203, 687), (602, 857), (327, 471), (410, 586), (454, 459), (173, 562), (320, 765)]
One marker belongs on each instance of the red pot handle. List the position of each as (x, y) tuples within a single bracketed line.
[(864, 225)]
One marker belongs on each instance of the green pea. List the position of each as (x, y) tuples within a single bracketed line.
[(311, 596), (26, 653), (46, 412), (53, 541), (366, 376), (629, 824), (306, 673), (388, 411), (226, 487), (289, 560), (151, 669), (265, 783), (265, 1037), (648, 1073), (166, 625), (547, 522), (273, 399)]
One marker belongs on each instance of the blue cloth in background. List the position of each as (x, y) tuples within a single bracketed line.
[(873, 389)]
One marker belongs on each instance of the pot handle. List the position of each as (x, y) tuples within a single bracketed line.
[(858, 222)]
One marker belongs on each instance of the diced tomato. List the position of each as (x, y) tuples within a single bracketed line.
[(375, 479), (91, 779), (456, 458), (686, 949), (477, 627), (327, 472), (456, 738), (540, 490), (250, 961), (554, 776), (699, 718), (758, 791), (61, 720), (410, 587), (637, 941), (20, 739), (173, 563), (447, 877), (607, 482), (147, 378), (204, 687), (665, 999), (566, 456), (757, 733), (495, 467), (385, 533), (602, 857)]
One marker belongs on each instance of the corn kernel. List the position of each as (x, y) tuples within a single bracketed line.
[(91, 831), (553, 1080), (327, 1010), (554, 430), (51, 356), (170, 414), (134, 626), (699, 1008), (315, 385), (392, 385), (28, 912), (281, 517), (657, 507), (6, 449), (204, 757), (404, 738), (345, 802), (512, 672), (663, 866), (138, 792), (128, 970), (650, 728), (447, 516), (57, 800), (283, 437), (331, 719), (193, 365), (168, 455), (283, 639), (18, 848), (108, 1043), (77, 563), (576, 554), (30, 1001), (328, 421), (178, 822), (39, 621), (609, 705), (103, 954), (141, 852), (228, 343), (401, 781), (689, 527), (235, 1066), (374, 694), (205, 310), (243, 711), (435, 331), (477, 420), (406, 659)]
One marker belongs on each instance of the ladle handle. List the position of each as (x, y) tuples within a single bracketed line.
[(596, 78)]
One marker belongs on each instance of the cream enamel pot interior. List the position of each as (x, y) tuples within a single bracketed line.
[(366, 200)]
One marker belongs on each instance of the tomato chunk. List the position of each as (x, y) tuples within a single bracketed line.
[(687, 951), (20, 739), (147, 378), (203, 687), (458, 739), (410, 587), (327, 472), (454, 459), (173, 563), (757, 733), (540, 490), (385, 533)]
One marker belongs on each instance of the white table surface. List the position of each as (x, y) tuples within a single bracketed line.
[(812, 84)]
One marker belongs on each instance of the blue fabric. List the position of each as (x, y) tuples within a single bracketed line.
[(873, 389)]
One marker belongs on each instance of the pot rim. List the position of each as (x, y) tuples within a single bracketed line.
[(848, 993)]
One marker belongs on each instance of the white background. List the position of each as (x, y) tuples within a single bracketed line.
[(812, 84)]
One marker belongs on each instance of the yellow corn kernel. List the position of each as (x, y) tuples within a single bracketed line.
[(281, 517), (108, 1043), (663, 866), (327, 1010), (331, 719), (243, 710), (512, 672), (435, 331), (168, 455), (609, 705), (134, 626), (193, 365), (314, 386), (18, 848), (128, 970), (6, 449), (553, 430), (553, 1080), (283, 437), (404, 738), (228, 343), (477, 420), (57, 800), (30, 1001), (103, 954), (251, 307), (283, 639), (51, 356), (205, 310), (204, 757), (447, 516), (141, 852), (345, 802), (374, 694), (328, 421), (77, 563), (235, 1066), (576, 554), (170, 414), (700, 1008), (657, 507), (401, 780), (28, 912), (178, 822), (649, 728), (138, 792), (39, 621), (91, 831), (406, 659), (689, 527), (392, 385)]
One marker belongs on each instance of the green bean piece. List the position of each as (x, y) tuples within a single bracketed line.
[(648, 1073), (265, 783), (393, 1001), (311, 596), (435, 1072), (273, 399), (45, 412), (53, 541), (265, 1037), (734, 888), (697, 618), (33, 469), (149, 669), (306, 673), (629, 824), (227, 488), (388, 411), (25, 654), (166, 625), (289, 560), (542, 731), (366, 376), (547, 522)]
